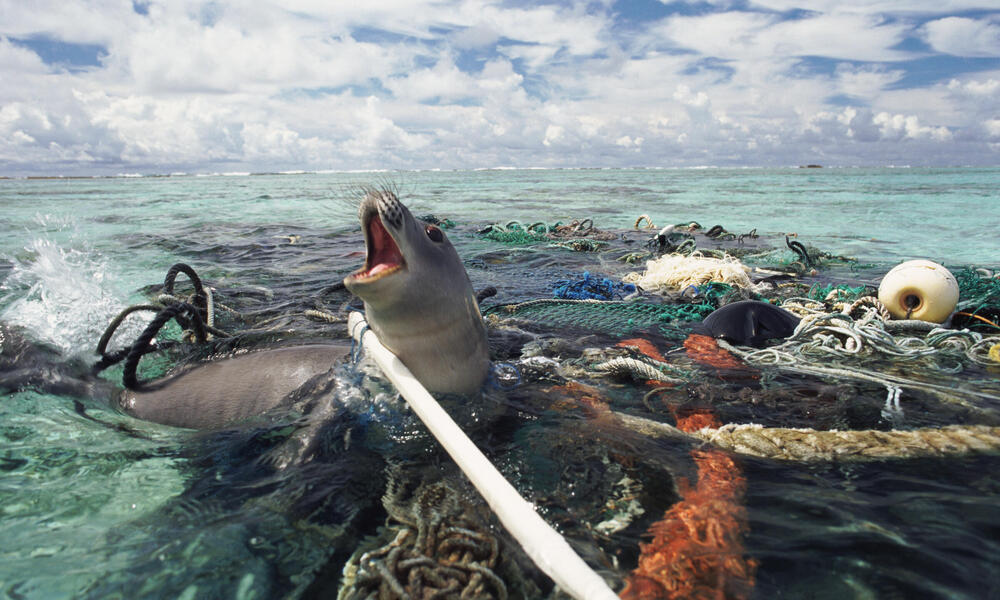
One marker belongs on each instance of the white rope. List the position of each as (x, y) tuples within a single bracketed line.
[(540, 541)]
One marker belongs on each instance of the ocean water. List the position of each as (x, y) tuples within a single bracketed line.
[(96, 504)]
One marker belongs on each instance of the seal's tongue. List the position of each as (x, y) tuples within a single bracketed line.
[(383, 253)]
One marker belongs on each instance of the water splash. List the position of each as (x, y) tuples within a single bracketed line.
[(63, 297)]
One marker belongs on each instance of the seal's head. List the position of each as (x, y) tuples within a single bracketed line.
[(418, 298)]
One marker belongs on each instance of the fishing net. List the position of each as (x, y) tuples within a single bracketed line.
[(608, 317), (979, 300), (675, 271)]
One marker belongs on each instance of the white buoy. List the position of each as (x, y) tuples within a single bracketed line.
[(919, 289)]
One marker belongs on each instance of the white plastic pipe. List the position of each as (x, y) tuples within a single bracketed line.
[(540, 541)]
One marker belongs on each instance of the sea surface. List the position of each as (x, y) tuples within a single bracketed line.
[(96, 504)]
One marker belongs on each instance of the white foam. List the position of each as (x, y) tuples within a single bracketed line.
[(64, 297)]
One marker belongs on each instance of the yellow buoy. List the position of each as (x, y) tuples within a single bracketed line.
[(995, 352), (919, 289)]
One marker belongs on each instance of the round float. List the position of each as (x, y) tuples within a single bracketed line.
[(919, 289)]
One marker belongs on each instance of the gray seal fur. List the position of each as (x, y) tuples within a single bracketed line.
[(216, 394), (418, 298)]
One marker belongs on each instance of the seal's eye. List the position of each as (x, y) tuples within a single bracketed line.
[(434, 233)]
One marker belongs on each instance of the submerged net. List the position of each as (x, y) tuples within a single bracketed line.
[(609, 317)]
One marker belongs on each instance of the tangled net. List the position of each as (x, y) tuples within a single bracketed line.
[(440, 550), (591, 288), (840, 335), (676, 271)]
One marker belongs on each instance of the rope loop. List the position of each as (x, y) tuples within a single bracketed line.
[(144, 344)]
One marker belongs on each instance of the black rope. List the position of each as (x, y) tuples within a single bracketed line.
[(142, 346), (168, 281), (715, 232), (102, 346), (485, 293), (799, 249), (752, 234), (200, 297)]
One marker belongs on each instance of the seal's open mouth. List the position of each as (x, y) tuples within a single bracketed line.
[(383, 256)]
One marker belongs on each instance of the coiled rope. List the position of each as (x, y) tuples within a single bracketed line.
[(840, 336), (195, 314)]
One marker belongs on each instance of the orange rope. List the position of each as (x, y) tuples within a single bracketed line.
[(983, 319), (697, 549), (644, 346), (704, 349)]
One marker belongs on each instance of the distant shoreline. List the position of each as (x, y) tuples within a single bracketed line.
[(479, 169)]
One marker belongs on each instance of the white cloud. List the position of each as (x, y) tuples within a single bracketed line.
[(988, 88), (477, 36), (992, 127), (17, 60), (868, 6), (746, 35), (964, 37), (865, 81), (896, 127), (311, 84)]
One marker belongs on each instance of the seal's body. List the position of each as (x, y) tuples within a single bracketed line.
[(212, 395), (418, 300)]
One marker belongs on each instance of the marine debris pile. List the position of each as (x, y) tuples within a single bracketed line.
[(846, 382), (609, 333)]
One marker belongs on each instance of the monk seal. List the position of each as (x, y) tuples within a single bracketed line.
[(748, 323), (418, 300)]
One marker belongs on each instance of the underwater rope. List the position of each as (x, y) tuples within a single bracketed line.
[(540, 541)]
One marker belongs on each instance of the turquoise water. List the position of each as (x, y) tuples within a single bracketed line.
[(95, 504)]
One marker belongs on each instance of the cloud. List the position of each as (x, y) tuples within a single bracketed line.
[(746, 35), (964, 37), (190, 85), (897, 127), (868, 6), (15, 60)]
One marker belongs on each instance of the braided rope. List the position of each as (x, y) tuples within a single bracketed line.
[(804, 445)]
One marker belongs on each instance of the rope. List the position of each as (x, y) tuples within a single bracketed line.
[(324, 316), (676, 271), (591, 288), (143, 344), (782, 443), (788, 362), (840, 335), (187, 313), (440, 549), (637, 369), (649, 222), (579, 245), (540, 541), (799, 249)]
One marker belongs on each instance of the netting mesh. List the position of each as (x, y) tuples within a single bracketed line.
[(608, 317)]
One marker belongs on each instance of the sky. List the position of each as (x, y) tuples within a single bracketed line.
[(106, 87)]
